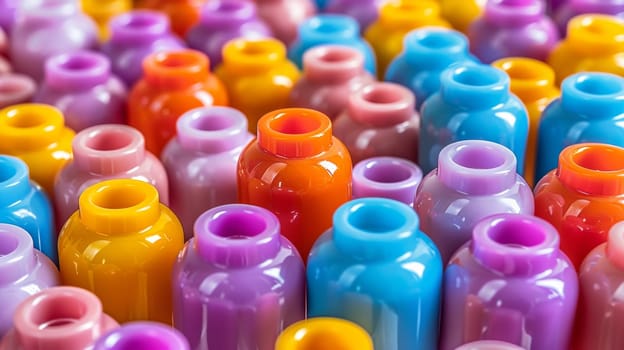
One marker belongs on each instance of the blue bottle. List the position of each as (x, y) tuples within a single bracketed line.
[(426, 54), (590, 109), (331, 29), (321, 4), (23, 203), (377, 269), (474, 102)]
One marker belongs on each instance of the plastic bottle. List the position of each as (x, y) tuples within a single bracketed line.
[(331, 74), (36, 133), (183, 14), (102, 11), (572, 8), (134, 36), (122, 245), (173, 83), (471, 97), (43, 29), (101, 153), (81, 86), (461, 13), (427, 52), (142, 335), (7, 14), (489, 345), (376, 242), (386, 177), (257, 76), (324, 333), (284, 16), (363, 11), (65, 318), (529, 283), (330, 29), (296, 169), (16, 89), (256, 279), (24, 271), (583, 197), (591, 109), (222, 21)]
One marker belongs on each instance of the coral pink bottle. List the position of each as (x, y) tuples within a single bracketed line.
[(284, 16)]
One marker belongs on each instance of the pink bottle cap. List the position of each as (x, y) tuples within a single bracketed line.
[(16, 89), (212, 129), (489, 345), (382, 104), (332, 63)]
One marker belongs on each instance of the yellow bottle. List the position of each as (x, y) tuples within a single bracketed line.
[(36, 133), (121, 245), (461, 13), (324, 333), (397, 18), (101, 11)]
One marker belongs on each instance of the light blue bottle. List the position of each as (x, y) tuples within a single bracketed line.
[(377, 269), (427, 52), (321, 4), (23, 203), (331, 29), (474, 102), (590, 109)]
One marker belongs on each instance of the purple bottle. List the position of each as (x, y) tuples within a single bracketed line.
[(222, 21), (134, 36), (513, 28), (201, 161), (386, 177), (380, 120), (47, 28), (24, 271), (7, 14), (474, 179), (331, 74), (510, 283), (81, 86), (142, 335), (573, 8), (363, 11), (238, 283), (16, 89)]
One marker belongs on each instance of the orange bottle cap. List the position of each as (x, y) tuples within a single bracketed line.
[(176, 69), (592, 168)]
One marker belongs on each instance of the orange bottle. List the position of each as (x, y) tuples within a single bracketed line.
[(121, 245), (298, 170), (258, 76), (396, 19), (173, 83), (534, 83), (36, 133), (101, 11), (594, 43), (461, 13), (183, 14)]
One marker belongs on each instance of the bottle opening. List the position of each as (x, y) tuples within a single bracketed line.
[(141, 19), (143, 341), (120, 197), (522, 69), (601, 26), (7, 171), (229, 6), (8, 244), (382, 94), (599, 158), (598, 84), (387, 173), (335, 55), (57, 311), (517, 233), (295, 124), (25, 119), (109, 140), (177, 60), (437, 40), (329, 24), (376, 218), (212, 122), (475, 76), (78, 63), (478, 157), (238, 225), (321, 339)]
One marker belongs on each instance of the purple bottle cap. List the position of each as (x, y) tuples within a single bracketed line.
[(237, 235), (615, 245), (142, 336), (515, 244), (382, 104), (46, 11), (17, 257), (332, 63), (513, 12), (14, 180), (16, 89), (212, 129), (227, 13), (138, 27), (477, 167), (387, 177), (77, 71)]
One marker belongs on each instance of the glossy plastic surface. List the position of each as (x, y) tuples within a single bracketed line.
[(572, 8), (513, 28), (474, 179), (65, 318), (142, 335), (103, 11), (36, 133), (380, 120), (376, 243), (16, 89), (101, 153), (285, 16), (81, 86), (257, 76), (134, 36), (363, 11), (532, 288), (324, 333), (297, 170), (183, 14), (427, 52), (583, 197), (489, 345), (173, 83), (24, 271), (594, 43), (222, 21), (461, 13), (122, 236), (7, 14), (238, 283), (591, 109), (330, 29), (471, 97), (39, 23), (386, 177), (201, 161), (533, 82), (396, 19)]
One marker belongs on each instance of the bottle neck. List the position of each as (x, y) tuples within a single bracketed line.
[(143, 335), (531, 80), (77, 71), (15, 89), (407, 14), (435, 47), (48, 10), (176, 69), (382, 105), (227, 13), (17, 254), (14, 180), (474, 86), (593, 95), (105, 9), (328, 27), (250, 56), (594, 34), (28, 127), (510, 13), (387, 177), (212, 129), (139, 27), (592, 169), (329, 64)]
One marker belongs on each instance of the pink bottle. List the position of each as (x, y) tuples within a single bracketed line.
[(386, 177), (380, 120), (331, 73), (284, 16), (105, 152), (81, 85), (201, 161), (16, 89), (489, 345), (58, 318)]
